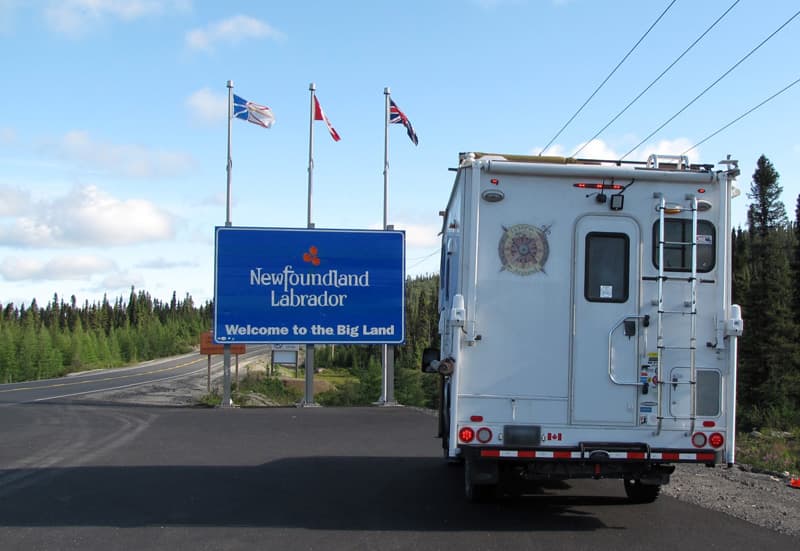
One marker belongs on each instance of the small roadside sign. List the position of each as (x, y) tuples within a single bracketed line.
[(208, 347)]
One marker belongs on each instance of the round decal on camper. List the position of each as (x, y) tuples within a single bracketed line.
[(523, 249)]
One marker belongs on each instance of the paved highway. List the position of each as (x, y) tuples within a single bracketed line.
[(106, 477), (105, 380)]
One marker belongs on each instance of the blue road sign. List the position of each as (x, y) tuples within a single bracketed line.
[(276, 285)]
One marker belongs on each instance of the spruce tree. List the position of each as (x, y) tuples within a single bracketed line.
[(769, 358), (796, 264)]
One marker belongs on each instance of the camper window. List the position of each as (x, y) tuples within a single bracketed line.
[(678, 249), (607, 267), (709, 388)]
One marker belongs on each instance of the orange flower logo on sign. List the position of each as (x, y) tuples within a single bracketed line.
[(311, 256)]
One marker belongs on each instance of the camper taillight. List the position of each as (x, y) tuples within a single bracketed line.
[(466, 434), (484, 435), (584, 185)]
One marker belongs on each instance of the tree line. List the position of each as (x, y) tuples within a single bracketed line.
[(62, 337), (45, 342)]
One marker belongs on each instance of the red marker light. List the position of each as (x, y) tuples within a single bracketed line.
[(476, 418), (584, 185), (701, 190), (494, 181)]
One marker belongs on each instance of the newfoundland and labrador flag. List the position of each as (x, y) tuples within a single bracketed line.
[(252, 112), (398, 117)]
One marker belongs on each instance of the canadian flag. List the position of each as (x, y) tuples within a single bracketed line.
[(319, 115)]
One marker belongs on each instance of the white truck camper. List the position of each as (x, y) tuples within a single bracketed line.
[(586, 322)]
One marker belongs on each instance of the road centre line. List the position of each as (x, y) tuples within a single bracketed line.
[(171, 377), (104, 379)]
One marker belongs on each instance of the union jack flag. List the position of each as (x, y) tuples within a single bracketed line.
[(398, 117)]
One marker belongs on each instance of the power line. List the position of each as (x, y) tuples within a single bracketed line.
[(423, 259), (710, 86), (671, 65), (740, 117), (606, 79)]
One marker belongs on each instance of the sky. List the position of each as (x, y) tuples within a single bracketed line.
[(113, 117)]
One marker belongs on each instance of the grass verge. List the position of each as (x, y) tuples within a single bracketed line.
[(770, 450)]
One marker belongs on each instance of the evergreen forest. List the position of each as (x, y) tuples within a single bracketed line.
[(61, 337)]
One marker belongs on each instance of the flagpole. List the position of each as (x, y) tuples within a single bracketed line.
[(230, 162), (226, 349), (387, 352), (311, 87), (309, 390), (387, 93)]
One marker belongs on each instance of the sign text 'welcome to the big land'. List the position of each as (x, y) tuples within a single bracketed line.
[(309, 286)]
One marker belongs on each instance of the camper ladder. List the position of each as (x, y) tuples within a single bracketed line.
[(689, 310)]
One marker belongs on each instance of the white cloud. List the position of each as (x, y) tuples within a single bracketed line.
[(76, 17), (231, 31), (667, 147), (88, 216), (161, 263), (7, 135), (494, 4), (8, 9), (207, 107), (598, 149), (424, 236), (127, 160), (120, 280), (14, 201), (58, 268)]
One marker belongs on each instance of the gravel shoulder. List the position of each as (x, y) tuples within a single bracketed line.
[(760, 498)]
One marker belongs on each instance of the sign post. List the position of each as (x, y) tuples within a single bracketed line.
[(209, 348)]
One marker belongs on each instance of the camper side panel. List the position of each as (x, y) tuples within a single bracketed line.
[(518, 369)]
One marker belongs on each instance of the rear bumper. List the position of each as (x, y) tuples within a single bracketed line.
[(490, 465), (654, 455)]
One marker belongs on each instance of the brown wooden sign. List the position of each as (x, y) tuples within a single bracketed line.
[(208, 346)]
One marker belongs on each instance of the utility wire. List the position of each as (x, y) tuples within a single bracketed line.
[(740, 117), (710, 86), (423, 259), (606, 79), (664, 72)]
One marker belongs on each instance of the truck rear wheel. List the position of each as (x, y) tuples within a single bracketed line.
[(641, 493), (477, 493)]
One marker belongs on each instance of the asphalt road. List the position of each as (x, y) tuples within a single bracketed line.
[(105, 477), (68, 389)]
